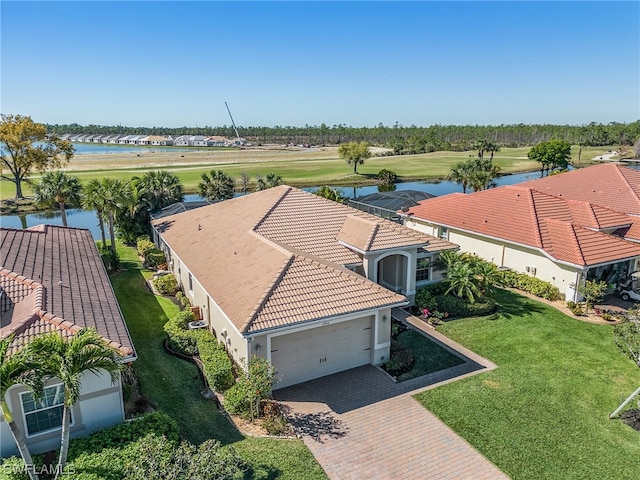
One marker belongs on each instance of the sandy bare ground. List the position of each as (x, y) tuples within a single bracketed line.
[(195, 158)]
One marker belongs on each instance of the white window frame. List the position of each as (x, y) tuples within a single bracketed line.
[(58, 398), (444, 233), (428, 269)]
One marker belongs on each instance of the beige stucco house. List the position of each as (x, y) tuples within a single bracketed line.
[(303, 281), (547, 228), (53, 280)]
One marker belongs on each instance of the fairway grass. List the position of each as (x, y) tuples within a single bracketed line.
[(174, 385), (298, 168), (543, 414)]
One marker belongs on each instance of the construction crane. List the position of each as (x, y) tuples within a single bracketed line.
[(233, 123)]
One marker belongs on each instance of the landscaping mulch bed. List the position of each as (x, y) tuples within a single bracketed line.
[(632, 418)]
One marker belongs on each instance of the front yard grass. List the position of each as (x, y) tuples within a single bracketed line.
[(173, 385), (430, 357), (543, 414)]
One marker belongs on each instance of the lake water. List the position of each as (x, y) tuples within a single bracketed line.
[(106, 149), (87, 218)]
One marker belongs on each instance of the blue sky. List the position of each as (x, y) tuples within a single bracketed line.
[(296, 63)]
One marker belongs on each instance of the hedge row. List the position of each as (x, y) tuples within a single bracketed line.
[(434, 299), (147, 249), (529, 284), (218, 369), (180, 338), (166, 284)]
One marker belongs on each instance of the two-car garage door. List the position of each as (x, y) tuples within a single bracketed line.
[(321, 351)]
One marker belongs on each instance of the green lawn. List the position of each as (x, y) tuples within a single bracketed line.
[(330, 170), (543, 414), (174, 385), (430, 357)]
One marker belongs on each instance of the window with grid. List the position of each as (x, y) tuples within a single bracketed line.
[(46, 413), (423, 268), (444, 233)]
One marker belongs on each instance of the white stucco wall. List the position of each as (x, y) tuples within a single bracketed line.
[(505, 254), (218, 321), (100, 406)]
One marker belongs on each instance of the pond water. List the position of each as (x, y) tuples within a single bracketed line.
[(77, 217)]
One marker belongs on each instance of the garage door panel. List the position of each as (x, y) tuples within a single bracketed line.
[(321, 351)]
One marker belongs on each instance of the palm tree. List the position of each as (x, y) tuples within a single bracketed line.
[(68, 359), (271, 180), (462, 281), (329, 193), (216, 185), (17, 369), (94, 200), (116, 197), (460, 173), (244, 182), (492, 148), (132, 218), (164, 188), (483, 174), (58, 187)]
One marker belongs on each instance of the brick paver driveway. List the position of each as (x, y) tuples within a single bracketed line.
[(360, 425)]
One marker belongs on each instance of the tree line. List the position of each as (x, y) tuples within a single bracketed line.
[(402, 139)]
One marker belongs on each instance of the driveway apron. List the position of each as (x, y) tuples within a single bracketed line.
[(359, 424)]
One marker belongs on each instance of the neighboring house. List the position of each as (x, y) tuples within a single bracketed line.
[(182, 141), (160, 140), (608, 185), (217, 141), (52, 280), (296, 278), (198, 141), (554, 238)]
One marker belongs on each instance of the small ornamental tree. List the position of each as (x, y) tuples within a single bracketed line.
[(592, 291), (254, 386), (355, 153)]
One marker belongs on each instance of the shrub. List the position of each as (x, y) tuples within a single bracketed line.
[(481, 307), (275, 425), (426, 299), (400, 361), (387, 176), (454, 306), (218, 368), (577, 310), (180, 338), (116, 436), (110, 259), (533, 285), (166, 284), (236, 400), (155, 458), (153, 258), (144, 245)]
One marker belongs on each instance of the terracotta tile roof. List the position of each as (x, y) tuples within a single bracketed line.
[(608, 185), (310, 290), (565, 229), (248, 253), (71, 290)]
